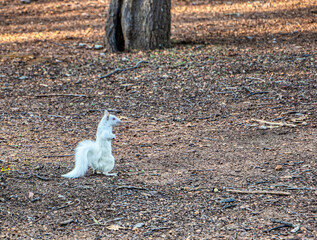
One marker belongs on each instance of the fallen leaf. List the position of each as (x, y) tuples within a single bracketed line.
[(114, 227), (31, 195), (278, 167), (5, 169)]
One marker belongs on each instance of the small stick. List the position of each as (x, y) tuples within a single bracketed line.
[(295, 188), (274, 123), (43, 215), (133, 188), (66, 222), (261, 182), (113, 72), (123, 69), (55, 116), (255, 78), (56, 156), (229, 206), (275, 228), (35, 199), (42, 178), (287, 224), (60, 95), (258, 192), (114, 110), (74, 204), (284, 224), (261, 92), (247, 89), (62, 184), (301, 188), (254, 93)]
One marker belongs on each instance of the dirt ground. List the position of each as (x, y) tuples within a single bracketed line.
[(231, 105)]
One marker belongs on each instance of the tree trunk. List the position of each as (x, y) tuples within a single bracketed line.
[(138, 24)]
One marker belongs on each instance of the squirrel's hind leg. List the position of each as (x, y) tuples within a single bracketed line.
[(96, 172), (110, 174)]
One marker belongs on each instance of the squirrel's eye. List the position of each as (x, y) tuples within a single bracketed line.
[(113, 119)]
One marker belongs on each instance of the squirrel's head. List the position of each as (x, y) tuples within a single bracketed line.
[(111, 120)]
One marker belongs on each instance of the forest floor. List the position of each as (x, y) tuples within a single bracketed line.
[(218, 134)]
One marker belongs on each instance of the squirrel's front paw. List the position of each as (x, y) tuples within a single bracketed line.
[(111, 174)]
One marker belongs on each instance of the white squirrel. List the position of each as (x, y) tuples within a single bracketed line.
[(96, 154)]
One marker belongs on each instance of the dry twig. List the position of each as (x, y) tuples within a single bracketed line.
[(274, 123), (42, 178), (254, 93), (118, 70), (259, 192), (287, 224), (60, 95), (74, 204), (284, 224), (63, 223), (132, 188), (57, 156)]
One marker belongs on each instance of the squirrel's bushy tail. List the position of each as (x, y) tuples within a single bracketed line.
[(83, 152)]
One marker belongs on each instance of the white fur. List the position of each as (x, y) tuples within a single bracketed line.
[(96, 154)]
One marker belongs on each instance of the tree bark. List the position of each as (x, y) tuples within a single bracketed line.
[(138, 24)]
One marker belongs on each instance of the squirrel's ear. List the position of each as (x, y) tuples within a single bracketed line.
[(107, 114)]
